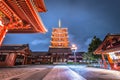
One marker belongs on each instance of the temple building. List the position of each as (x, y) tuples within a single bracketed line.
[(110, 48), (11, 55), (59, 50), (21, 16), (41, 57), (59, 47)]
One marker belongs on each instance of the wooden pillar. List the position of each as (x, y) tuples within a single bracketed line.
[(63, 57), (23, 63), (11, 59), (7, 59), (51, 59), (66, 57), (56, 57), (110, 61), (104, 61), (26, 61)]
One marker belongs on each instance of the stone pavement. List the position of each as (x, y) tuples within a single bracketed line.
[(91, 73), (8, 72), (58, 72), (27, 72), (62, 73)]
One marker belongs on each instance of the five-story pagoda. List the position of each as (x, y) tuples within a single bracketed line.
[(59, 47)]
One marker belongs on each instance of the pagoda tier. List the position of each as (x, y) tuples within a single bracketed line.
[(22, 15), (59, 38)]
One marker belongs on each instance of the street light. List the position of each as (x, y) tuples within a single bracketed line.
[(74, 48)]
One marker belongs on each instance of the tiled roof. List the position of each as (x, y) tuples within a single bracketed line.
[(12, 47), (104, 47)]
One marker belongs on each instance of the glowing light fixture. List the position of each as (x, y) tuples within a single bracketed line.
[(74, 48)]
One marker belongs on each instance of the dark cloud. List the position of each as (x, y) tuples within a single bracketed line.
[(83, 18)]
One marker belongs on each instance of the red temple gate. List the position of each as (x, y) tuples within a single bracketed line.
[(21, 16)]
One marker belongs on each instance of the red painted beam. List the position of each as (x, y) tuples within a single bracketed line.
[(3, 31)]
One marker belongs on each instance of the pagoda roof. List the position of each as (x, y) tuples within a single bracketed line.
[(110, 43)]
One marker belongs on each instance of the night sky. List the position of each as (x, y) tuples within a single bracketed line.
[(83, 18)]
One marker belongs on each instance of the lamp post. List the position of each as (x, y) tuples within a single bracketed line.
[(74, 48)]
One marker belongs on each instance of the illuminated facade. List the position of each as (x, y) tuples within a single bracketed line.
[(110, 48), (59, 47), (21, 16), (59, 38)]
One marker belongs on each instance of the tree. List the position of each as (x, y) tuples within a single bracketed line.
[(93, 46), (88, 56)]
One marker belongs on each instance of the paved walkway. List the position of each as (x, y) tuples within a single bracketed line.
[(91, 73), (63, 73), (59, 72), (8, 72)]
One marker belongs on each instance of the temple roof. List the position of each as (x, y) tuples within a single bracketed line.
[(40, 5), (13, 48), (23, 15), (110, 43)]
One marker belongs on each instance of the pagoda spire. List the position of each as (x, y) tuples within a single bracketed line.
[(59, 38), (59, 23)]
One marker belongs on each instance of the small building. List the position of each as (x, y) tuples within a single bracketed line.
[(53, 58), (59, 50), (41, 58), (110, 48), (11, 55), (59, 55)]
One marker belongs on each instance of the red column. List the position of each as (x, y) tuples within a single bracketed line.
[(11, 59), (24, 60), (7, 59)]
